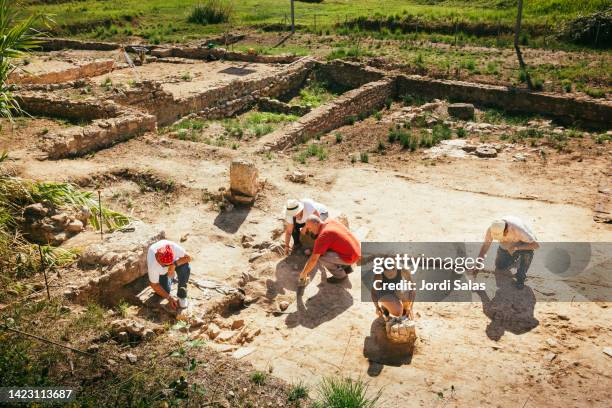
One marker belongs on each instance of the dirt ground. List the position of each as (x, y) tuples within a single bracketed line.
[(398, 196)]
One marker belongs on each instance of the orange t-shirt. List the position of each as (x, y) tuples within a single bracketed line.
[(336, 237)]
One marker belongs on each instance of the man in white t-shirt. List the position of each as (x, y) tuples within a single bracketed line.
[(166, 260), (296, 213), (516, 246)]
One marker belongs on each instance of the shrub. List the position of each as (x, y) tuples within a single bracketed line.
[(297, 392), (404, 139), (567, 85), (592, 29), (441, 132), (595, 93), (346, 393), (211, 12), (538, 84), (338, 137), (258, 377), (364, 157), (461, 133)]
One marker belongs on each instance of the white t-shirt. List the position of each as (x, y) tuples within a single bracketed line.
[(518, 231), (310, 206), (153, 267)]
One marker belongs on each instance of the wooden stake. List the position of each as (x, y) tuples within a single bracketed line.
[(44, 269), (101, 218)]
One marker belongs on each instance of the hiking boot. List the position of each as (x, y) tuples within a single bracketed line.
[(333, 279), (348, 269), (519, 285)]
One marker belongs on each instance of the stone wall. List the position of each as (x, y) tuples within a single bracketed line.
[(121, 259), (45, 104), (57, 44), (332, 115), (78, 141), (589, 112), (201, 53), (274, 105), (222, 101), (349, 74), (84, 70)]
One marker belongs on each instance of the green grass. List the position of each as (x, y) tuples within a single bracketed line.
[(297, 392), (211, 12), (313, 150), (345, 393), (313, 95), (258, 377), (154, 16)]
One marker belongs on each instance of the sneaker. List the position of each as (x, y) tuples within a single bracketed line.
[(333, 279), (183, 303)]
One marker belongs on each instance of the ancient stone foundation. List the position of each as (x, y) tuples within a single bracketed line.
[(588, 112), (85, 70), (78, 141), (340, 111), (120, 259)]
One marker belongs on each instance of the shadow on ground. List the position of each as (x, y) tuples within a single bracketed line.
[(230, 221), (380, 352), (510, 309)]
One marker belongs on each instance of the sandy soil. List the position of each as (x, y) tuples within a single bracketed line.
[(186, 77), (397, 197)]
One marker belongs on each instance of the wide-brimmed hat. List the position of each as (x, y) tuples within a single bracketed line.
[(497, 229), (293, 207)]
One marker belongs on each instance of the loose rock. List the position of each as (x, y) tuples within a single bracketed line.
[(463, 111)]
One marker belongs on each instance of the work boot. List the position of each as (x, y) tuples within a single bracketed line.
[(333, 279)]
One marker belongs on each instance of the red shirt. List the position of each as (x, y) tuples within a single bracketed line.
[(334, 236)]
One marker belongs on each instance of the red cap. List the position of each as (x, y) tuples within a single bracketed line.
[(165, 255)]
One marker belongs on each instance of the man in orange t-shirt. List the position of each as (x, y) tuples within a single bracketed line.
[(335, 248)]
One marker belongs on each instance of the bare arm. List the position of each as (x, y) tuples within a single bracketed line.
[(310, 264), (161, 292), (288, 232), (486, 244), (183, 260), (375, 294)]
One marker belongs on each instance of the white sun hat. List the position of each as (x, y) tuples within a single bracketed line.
[(292, 208), (497, 229)]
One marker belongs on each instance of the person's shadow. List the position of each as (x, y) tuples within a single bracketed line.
[(510, 309), (285, 276), (230, 221), (381, 352), (329, 302)]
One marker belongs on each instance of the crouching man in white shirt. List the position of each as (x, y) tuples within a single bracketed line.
[(167, 262), (516, 246)]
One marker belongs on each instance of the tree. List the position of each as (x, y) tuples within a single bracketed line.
[(519, 55), (17, 39)]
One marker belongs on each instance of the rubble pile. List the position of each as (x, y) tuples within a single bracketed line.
[(44, 224)]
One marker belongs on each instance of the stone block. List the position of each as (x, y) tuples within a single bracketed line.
[(464, 111), (244, 178)]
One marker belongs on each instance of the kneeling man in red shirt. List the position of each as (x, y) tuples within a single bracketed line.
[(335, 248)]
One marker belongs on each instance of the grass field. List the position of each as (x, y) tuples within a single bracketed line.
[(166, 20)]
